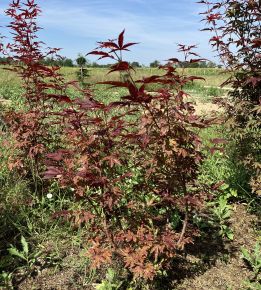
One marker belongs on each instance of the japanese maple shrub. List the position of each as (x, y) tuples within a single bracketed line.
[(135, 163), (44, 87), (236, 36)]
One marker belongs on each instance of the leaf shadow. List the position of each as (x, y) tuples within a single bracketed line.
[(196, 259)]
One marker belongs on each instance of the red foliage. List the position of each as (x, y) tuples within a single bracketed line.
[(135, 162), (43, 87)]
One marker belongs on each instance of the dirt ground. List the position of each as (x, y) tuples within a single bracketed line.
[(226, 269)]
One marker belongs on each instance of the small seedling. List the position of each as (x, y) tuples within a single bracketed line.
[(6, 280), (253, 259), (24, 255), (110, 283), (221, 213), (252, 285)]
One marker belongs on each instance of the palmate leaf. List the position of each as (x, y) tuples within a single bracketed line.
[(108, 44), (101, 53), (121, 66), (121, 44), (121, 39), (197, 60), (128, 45)]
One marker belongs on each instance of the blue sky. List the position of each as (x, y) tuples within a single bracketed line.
[(158, 25)]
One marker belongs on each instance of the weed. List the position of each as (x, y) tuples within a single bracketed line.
[(24, 254), (111, 282), (221, 210), (253, 259), (250, 285), (6, 280)]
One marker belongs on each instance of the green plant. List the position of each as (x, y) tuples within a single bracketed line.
[(111, 282), (6, 280), (253, 259), (250, 285), (221, 211), (24, 254), (83, 73)]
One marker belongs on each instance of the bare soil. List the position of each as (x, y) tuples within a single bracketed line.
[(226, 270)]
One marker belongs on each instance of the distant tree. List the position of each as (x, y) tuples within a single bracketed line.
[(211, 64), (95, 64), (62, 61), (3, 60), (194, 65), (68, 62), (155, 63), (83, 73), (203, 64), (81, 61), (135, 64)]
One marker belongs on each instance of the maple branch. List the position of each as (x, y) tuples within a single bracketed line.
[(185, 223), (151, 113), (107, 231)]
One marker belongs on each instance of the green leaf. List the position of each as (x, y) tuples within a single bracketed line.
[(224, 186), (37, 254), (110, 275), (257, 250), (246, 254), (15, 252), (233, 192), (230, 235), (25, 245), (226, 215)]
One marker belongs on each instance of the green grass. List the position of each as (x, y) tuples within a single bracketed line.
[(204, 91), (213, 76)]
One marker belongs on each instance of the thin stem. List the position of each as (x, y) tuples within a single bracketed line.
[(185, 223)]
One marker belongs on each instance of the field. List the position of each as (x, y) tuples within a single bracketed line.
[(202, 90), (213, 76), (52, 252)]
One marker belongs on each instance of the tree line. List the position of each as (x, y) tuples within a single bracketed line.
[(81, 61)]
